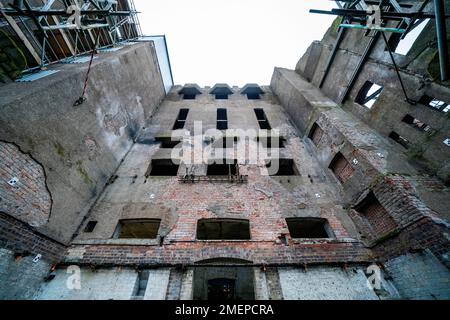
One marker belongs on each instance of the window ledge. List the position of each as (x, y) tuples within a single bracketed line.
[(142, 242), (223, 240), (322, 240)]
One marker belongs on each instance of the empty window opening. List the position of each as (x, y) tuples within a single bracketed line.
[(341, 168), (416, 123), (262, 119), (221, 91), (90, 226), (282, 167), (168, 143), (223, 229), (435, 103), (141, 284), (188, 96), (221, 96), (403, 46), (316, 134), (368, 94), (163, 167), (222, 169), (379, 220), (399, 139), (181, 119), (253, 96), (222, 119), (137, 229), (309, 228)]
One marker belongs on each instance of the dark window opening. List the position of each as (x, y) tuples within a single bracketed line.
[(308, 228), (163, 167), (435, 104), (399, 139), (341, 168), (416, 123), (167, 142), (316, 134), (181, 119), (222, 119), (223, 229), (137, 229), (222, 169), (368, 94), (376, 215), (220, 96), (286, 167), (187, 96), (90, 226), (262, 119), (141, 284), (253, 96)]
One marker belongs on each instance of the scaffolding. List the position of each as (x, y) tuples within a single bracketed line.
[(397, 16), (44, 32)]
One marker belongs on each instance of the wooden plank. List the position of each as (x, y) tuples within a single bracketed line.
[(22, 37)]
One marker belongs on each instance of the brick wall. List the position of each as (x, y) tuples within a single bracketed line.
[(372, 219), (18, 237), (316, 134), (29, 200), (191, 252), (342, 168), (378, 218)]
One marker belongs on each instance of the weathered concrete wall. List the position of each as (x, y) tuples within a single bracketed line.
[(420, 276), (416, 203), (103, 284), (25, 258), (265, 200), (81, 147), (420, 73), (325, 283), (21, 277)]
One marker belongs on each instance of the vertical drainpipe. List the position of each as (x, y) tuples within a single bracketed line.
[(441, 33)]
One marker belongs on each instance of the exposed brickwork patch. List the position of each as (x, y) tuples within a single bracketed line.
[(28, 199), (18, 237)]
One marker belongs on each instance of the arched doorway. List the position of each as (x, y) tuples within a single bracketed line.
[(224, 279)]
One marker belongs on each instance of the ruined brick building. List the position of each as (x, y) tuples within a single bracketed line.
[(92, 205)]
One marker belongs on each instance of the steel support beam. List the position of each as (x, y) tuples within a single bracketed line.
[(441, 33), (359, 67), (38, 13), (337, 43), (384, 15)]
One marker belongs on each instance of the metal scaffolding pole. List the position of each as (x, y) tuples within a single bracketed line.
[(442, 38)]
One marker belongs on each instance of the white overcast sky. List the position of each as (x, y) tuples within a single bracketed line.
[(233, 41)]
